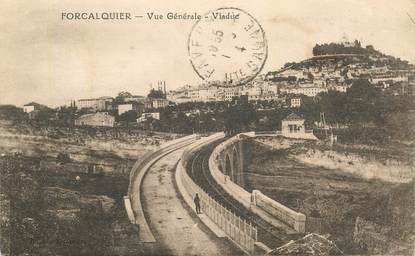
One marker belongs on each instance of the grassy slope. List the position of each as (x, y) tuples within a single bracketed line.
[(336, 196)]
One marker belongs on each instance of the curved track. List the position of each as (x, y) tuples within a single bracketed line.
[(198, 169)]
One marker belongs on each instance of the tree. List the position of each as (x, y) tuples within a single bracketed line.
[(309, 109), (130, 116), (332, 104), (63, 158), (292, 79), (44, 114), (288, 64), (238, 117), (121, 96), (156, 94), (370, 48), (66, 115), (10, 112), (361, 102)]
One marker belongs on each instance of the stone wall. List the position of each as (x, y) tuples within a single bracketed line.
[(256, 198), (294, 219)]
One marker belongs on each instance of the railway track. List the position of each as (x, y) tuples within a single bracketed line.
[(198, 170)]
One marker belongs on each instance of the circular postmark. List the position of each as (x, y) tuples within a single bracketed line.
[(227, 45)]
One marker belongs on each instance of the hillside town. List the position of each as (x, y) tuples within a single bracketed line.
[(333, 68), (323, 72)]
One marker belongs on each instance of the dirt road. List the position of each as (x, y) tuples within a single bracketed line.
[(177, 230)]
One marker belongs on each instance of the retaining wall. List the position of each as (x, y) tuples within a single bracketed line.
[(292, 218)]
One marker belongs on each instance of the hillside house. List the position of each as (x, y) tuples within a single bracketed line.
[(96, 119), (138, 107), (293, 126), (32, 106)]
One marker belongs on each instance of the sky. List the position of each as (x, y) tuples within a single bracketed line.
[(53, 61)]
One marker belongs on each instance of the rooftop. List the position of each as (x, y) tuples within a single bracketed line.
[(35, 104), (32, 104), (95, 114), (100, 98), (293, 117)]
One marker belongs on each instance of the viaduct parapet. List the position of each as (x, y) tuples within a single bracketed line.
[(226, 165)]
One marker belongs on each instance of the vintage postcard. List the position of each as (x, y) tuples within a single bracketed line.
[(196, 127)]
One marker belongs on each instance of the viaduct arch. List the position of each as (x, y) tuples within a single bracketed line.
[(231, 161)]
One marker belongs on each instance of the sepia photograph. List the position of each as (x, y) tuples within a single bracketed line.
[(207, 127)]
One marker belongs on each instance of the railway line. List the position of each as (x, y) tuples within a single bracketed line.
[(198, 170)]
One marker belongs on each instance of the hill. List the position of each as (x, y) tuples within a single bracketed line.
[(336, 65)]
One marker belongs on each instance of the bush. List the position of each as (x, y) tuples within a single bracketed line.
[(63, 158)]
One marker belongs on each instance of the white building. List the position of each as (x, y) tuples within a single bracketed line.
[(134, 106), (160, 103), (28, 108), (295, 102), (253, 92), (231, 92), (339, 88), (293, 72), (388, 78), (293, 126), (96, 119), (208, 93), (201, 93), (98, 104), (32, 106), (145, 116), (310, 91)]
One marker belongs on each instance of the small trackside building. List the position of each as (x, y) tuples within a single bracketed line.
[(293, 126)]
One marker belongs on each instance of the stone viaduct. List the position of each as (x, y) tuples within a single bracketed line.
[(231, 161), (227, 164)]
